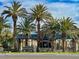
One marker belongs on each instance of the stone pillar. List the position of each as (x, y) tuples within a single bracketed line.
[(76, 46), (21, 45), (29, 42), (23, 42), (34, 44)]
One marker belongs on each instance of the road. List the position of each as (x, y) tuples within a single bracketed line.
[(39, 56)]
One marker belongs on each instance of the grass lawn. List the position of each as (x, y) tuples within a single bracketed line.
[(39, 52)]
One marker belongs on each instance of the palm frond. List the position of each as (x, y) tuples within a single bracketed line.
[(5, 12)]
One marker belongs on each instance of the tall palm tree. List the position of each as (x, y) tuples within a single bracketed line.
[(39, 13), (14, 11), (66, 24)]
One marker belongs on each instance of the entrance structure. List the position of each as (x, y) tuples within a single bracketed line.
[(21, 41), (31, 41)]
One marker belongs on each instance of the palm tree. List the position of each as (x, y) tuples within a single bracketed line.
[(39, 13), (51, 28), (14, 11), (26, 26), (54, 27), (74, 34), (66, 24)]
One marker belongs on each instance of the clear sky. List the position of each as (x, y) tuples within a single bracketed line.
[(58, 8)]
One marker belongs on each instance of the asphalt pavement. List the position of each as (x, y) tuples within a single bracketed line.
[(39, 56)]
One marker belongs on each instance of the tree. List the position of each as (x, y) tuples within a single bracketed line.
[(74, 35), (66, 24), (3, 24), (14, 11), (54, 27), (51, 28), (26, 26), (40, 13), (7, 41)]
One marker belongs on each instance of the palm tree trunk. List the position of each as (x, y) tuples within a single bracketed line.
[(14, 34), (63, 40), (52, 45), (38, 28), (74, 45), (53, 41), (19, 44), (63, 45)]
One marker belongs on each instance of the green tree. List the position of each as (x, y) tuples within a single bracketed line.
[(14, 11), (26, 26), (54, 27), (66, 24), (7, 39), (51, 28), (3, 24), (74, 35), (40, 13)]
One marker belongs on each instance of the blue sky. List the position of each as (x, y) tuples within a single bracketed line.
[(1, 3), (58, 8), (66, 1)]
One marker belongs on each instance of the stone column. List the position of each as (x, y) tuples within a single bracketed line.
[(34, 45)]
